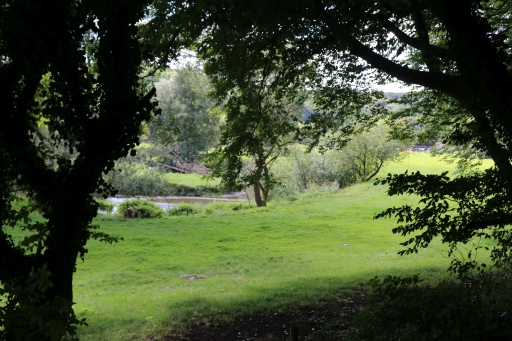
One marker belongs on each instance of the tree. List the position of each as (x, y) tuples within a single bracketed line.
[(188, 121), (89, 96), (260, 124), (459, 52), (364, 155)]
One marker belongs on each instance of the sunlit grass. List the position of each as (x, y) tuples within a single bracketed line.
[(300, 252), (423, 162), (190, 180)]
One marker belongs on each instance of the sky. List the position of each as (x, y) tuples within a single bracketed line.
[(394, 87)]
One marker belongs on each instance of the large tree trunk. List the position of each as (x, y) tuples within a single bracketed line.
[(60, 257)]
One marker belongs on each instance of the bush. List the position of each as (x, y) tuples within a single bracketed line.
[(140, 208), (208, 190), (300, 171), (132, 179), (105, 206), (137, 179), (183, 209)]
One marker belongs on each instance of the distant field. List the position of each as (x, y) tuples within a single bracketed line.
[(252, 260), (423, 162), (191, 180)]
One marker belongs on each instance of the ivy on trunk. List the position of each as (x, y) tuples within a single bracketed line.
[(71, 67)]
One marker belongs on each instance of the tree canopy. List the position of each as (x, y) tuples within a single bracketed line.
[(260, 124), (188, 121)]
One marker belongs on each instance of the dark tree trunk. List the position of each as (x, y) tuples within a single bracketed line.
[(259, 197), (379, 166)]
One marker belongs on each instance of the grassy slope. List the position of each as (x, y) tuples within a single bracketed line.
[(258, 259)]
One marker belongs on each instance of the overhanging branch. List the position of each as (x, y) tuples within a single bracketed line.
[(449, 84), (413, 42)]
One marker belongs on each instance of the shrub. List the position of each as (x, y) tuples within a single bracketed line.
[(133, 179), (183, 209), (137, 179), (105, 206), (208, 190), (140, 208)]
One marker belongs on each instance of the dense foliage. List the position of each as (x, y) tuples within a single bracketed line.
[(140, 208), (188, 123), (360, 160), (259, 125), (404, 309), (132, 179)]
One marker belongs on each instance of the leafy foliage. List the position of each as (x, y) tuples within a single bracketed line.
[(467, 158), (105, 206), (140, 208), (458, 210), (360, 160), (46, 319), (132, 179), (183, 209), (260, 124), (364, 155), (188, 120), (222, 207)]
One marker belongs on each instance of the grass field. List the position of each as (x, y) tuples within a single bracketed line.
[(263, 259), (191, 180)]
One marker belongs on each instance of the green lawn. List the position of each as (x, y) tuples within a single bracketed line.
[(251, 260)]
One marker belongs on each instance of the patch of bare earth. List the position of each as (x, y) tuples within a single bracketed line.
[(330, 320)]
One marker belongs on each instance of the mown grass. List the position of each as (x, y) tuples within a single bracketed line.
[(264, 259)]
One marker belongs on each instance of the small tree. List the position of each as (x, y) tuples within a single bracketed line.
[(364, 155), (260, 125)]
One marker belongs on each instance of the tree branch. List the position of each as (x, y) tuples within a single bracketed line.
[(418, 44), (451, 85)]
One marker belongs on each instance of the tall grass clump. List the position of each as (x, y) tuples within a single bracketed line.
[(140, 208), (300, 171), (224, 207), (183, 209)]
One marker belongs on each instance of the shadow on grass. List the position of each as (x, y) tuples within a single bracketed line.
[(315, 306), (325, 308), (398, 308)]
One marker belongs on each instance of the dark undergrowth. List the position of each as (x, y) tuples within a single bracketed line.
[(394, 308)]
